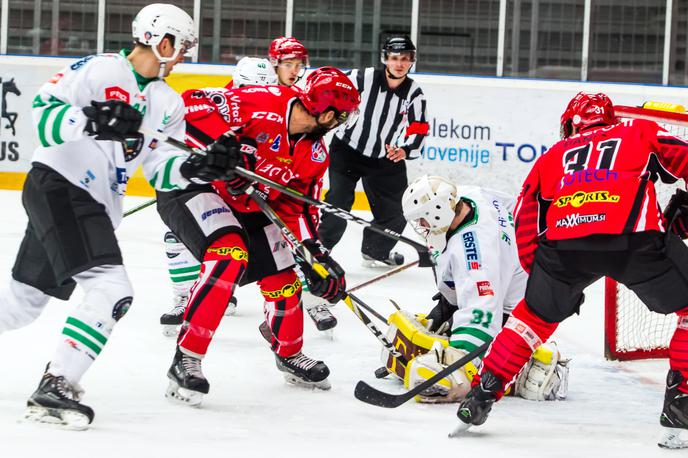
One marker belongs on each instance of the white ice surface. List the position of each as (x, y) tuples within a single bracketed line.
[(612, 409)]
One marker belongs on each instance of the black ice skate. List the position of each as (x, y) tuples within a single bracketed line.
[(477, 404), (187, 382), (56, 402), (322, 317), (674, 416), (304, 371), (171, 320), (392, 260)]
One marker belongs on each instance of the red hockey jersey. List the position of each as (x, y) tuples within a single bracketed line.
[(262, 113), (599, 181)]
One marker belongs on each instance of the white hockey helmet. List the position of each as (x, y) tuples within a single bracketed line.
[(156, 20), (429, 205), (254, 70)]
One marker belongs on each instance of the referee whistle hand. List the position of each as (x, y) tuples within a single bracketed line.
[(395, 154)]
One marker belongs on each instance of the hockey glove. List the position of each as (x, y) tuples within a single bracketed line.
[(441, 316), (236, 184), (676, 213), (112, 120), (219, 158), (326, 277)]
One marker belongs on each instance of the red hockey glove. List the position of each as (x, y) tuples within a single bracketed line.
[(326, 277), (676, 214)]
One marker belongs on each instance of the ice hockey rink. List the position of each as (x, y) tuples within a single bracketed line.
[(612, 409)]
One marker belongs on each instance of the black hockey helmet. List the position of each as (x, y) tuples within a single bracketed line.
[(397, 45)]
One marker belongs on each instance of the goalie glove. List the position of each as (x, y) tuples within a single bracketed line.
[(676, 214), (545, 377), (453, 388)]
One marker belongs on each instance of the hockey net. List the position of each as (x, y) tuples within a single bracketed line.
[(631, 330)]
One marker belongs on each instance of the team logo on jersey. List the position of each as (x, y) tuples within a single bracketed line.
[(471, 250), (484, 288), (116, 93), (286, 291), (576, 219), (276, 143), (262, 137), (318, 152), (581, 198)]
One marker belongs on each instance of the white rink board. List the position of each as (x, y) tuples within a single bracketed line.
[(485, 131)]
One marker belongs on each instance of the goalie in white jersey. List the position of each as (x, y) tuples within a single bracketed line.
[(480, 281), (88, 116)]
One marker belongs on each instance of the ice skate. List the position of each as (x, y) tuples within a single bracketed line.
[(56, 402), (231, 307), (187, 382), (322, 317), (477, 404), (301, 370), (674, 418), (172, 320), (394, 259)]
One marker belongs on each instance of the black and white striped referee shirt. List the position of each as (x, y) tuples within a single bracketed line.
[(387, 117)]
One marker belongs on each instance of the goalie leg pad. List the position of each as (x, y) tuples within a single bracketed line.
[(545, 376), (453, 388)]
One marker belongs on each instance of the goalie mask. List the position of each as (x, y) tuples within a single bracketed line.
[(429, 205), (586, 110)]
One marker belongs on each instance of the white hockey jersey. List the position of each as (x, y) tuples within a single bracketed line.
[(479, 270), (100, 167)]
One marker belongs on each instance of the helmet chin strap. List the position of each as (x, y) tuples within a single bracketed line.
[(392, 77)]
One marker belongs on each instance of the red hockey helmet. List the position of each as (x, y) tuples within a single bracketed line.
[(287, 48), (328, 88), (585, 110)]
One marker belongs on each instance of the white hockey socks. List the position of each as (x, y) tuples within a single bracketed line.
[(182, 266), (108, 295)]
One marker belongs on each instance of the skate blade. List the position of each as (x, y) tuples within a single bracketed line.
[(375, 264), (294, 380), (460, 430), (170, 330), (60, 418), (230, 310), (673, 439), (183, 395)]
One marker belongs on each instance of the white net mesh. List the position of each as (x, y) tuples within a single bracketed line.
[(637, 328)]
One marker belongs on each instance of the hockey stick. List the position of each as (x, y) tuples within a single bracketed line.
[(383, 276), (424, 256), (373, 396), (139, 207), (301, 252)]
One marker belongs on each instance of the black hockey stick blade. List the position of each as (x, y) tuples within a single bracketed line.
[(373, 396)]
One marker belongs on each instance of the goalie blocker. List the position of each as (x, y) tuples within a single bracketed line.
[(544, 378)]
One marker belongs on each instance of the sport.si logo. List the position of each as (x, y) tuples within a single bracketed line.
[(581, 198), (484, 288), (116, 93), (318, 153)]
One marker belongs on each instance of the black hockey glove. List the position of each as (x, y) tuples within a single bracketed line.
[(326, 277), (215, 164), (441, 316), (112, 120), (236, 184), (676, 213)]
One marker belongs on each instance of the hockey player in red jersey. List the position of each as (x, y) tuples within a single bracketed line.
[(278, 132), (588, 209), (289, 58)]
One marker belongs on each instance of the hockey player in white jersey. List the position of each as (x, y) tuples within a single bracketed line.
[(480, 280), (182, 266), (87, 118)]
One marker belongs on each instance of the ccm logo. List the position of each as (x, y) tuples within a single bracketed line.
[(116, 93), (267, 115), (344, 85)]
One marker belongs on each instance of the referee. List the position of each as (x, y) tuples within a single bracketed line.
[(390, 130)]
